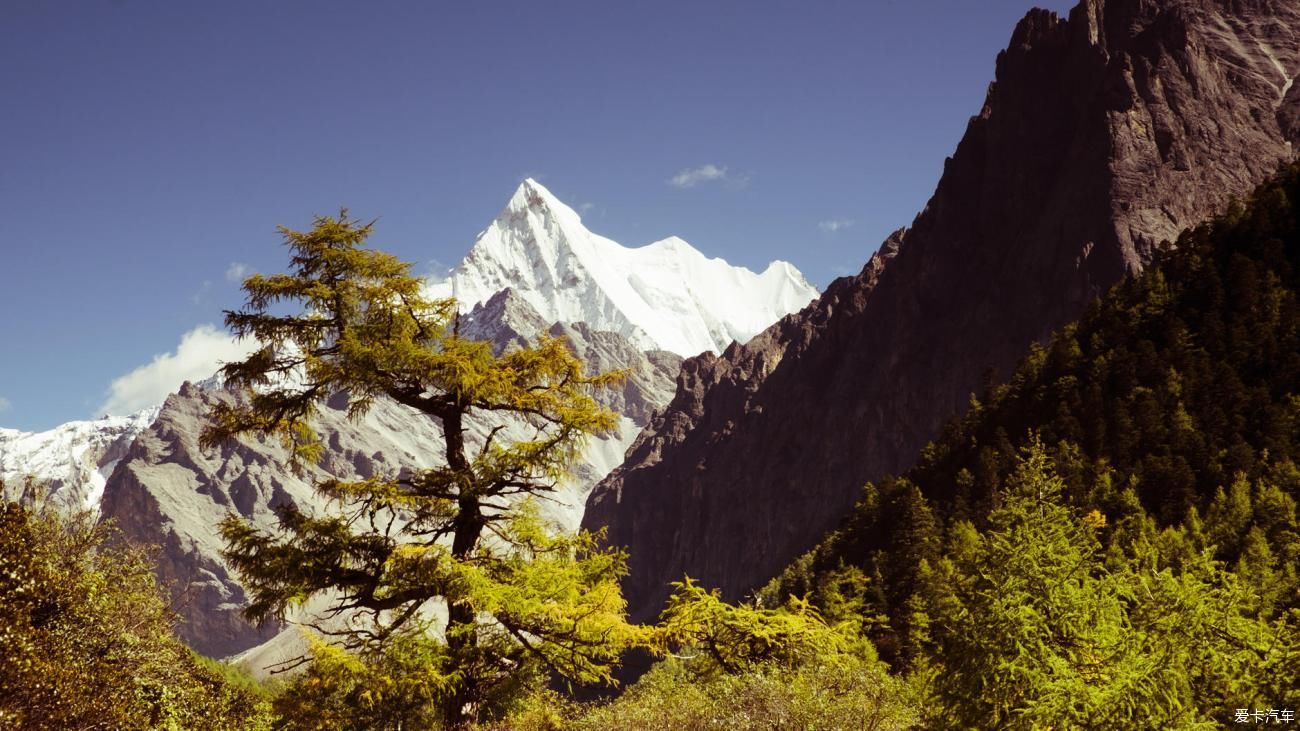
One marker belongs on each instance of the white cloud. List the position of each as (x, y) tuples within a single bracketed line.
[(835, 224), (5, 404), (692, 177), (236, 272), (199, 354)]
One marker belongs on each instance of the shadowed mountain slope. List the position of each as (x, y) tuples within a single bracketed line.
[(1103, 135)]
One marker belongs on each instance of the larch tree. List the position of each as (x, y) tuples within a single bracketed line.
[(464, 535), (1032, 630)]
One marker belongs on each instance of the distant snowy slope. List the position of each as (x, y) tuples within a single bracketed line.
[(74, 459), (666, 295)]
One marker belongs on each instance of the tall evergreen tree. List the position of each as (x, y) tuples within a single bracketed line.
[(349, 319)]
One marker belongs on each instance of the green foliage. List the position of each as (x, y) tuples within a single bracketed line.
[(844, 697), (1157, 561), (1031, 630), (541, 710), (239, 678), (717, 636), (1175, 395), (744, 667), (463, 536), (397, 688), (1178, 381), (1282, 668), (86, 641)]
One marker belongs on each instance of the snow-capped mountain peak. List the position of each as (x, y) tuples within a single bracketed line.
[(666, 295), (533, 196), (73, 459)]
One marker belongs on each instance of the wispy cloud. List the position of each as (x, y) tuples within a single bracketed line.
[(5, 404), (585, 208), (437, 273), (199, 354), (834, 225), (709, 173), (201, 295), (236, 272)]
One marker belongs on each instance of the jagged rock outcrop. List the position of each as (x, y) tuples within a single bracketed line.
[(1103, 135), (168, 492), (507, 320)]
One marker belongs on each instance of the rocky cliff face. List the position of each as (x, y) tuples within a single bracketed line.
[(168, 492), (1103, 135)]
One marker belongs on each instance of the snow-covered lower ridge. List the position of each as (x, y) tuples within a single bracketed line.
[(73, 460), (666, 295)]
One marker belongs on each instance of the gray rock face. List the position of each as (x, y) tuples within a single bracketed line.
[(169, 492), (1103, 135), (650, 374), (508, 321)]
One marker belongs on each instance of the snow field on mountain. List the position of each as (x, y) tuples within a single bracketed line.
[(74, 459)]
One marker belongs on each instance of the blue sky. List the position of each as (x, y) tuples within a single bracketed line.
[(148, 146)]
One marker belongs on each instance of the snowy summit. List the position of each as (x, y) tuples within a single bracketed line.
[(666, 295), (73, 460)]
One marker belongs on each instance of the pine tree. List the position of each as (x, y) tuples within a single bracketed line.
[(349, 319)]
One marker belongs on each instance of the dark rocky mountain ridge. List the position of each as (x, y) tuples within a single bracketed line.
[(1103, 135)]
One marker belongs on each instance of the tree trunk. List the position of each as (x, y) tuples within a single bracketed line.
[(460, 615)]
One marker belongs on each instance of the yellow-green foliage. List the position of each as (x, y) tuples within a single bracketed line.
[(850, 695), (239, 678), (1160, 585), (1031, 630), (734, 638), (395, 689), (742, 667), (85, 638), (462, 536)]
